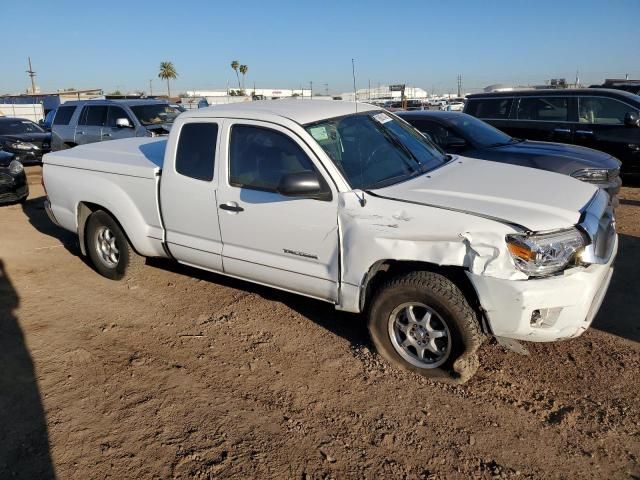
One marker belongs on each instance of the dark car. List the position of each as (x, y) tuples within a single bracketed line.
[(603, 119), (460, 133), (24, 138), (13, 180)]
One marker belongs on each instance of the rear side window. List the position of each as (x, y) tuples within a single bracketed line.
[(259, 157), (63, 115), (196, 153), (603, 111), (550, 109), (94, 115), (490, 107)]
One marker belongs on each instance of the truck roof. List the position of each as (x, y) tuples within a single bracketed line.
[(300, 111)]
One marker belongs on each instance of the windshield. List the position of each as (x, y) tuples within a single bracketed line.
[(17, 127), (479, 132), (374, 149), (155, 113)]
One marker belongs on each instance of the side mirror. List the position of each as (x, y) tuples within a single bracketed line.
[(631, 119), (454, 143), (305, 184), (123, 123)]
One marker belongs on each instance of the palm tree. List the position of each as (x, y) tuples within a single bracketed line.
[(243, 71), (167, 72), (234, 65)]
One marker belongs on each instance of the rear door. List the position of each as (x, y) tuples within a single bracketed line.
[(89, 128), (545, 118), (286, 242), (110, 131), (188, 194)]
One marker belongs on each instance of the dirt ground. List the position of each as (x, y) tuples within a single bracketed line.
[(185, 374)]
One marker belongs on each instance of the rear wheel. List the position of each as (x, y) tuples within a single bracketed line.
[(108, 247), (422, 322)]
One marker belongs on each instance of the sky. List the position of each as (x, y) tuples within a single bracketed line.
[(287, 44)]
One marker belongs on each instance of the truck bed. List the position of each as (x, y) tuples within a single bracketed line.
[(136, 157), (121, 176)]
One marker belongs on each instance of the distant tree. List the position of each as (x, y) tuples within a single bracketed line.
[(116, 92), (243, 70), (232, 93), (234, 65), (167, 72)]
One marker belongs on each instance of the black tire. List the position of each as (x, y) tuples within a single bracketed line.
[(119, 264), (453, 315)]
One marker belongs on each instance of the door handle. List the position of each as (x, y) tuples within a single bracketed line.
[(81, 132), (562, 130), (231, 207), (106, 134), (585, 132)]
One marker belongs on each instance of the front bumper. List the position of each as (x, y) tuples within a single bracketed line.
[(13, 188), (574, 298)]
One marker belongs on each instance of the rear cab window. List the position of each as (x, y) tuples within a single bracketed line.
[(196, 152)]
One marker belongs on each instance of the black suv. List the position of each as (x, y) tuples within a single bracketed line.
[(603, 119)]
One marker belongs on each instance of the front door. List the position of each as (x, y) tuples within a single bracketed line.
[(112, 132), (601, 126), (188, 196), (286, 242)]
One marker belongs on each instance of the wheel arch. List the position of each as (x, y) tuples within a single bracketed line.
[(84, 211), (387, 268)]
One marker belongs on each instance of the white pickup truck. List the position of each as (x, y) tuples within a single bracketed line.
[(348, 204)]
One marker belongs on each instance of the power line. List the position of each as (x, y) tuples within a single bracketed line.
[(32, 74)]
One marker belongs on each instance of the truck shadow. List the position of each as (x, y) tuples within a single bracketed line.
[(33, 208), (619, 312), (24, 440), (349, 326)]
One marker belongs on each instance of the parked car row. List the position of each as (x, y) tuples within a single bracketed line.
[(89, 121), (462, 134), (601, 119), (13, 180)]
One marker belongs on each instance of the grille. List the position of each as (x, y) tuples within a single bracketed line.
[(598, 222), (6, 179)]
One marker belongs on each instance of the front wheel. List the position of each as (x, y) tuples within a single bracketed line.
[(422, 322), (108, 247)]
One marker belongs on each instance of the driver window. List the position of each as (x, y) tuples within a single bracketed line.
[(114, 114), (259, 157), (603, 111)]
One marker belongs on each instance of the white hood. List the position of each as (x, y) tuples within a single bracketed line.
[(535, 199)]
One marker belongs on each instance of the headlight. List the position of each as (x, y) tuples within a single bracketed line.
[(592, 175), (541, 254), (15, 167), (21, 146)]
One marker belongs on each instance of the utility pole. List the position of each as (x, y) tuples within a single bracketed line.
[(326, 89), (459, 85), (151, 87), (32, 74), (311, 90)]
